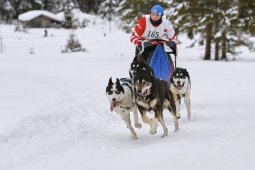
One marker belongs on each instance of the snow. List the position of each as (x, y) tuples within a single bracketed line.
[(54, 113), (27, 16)]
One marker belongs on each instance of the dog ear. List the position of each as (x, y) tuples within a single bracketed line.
[(152, 72), (110, 81), (185, 71), (117, 81), (135, 59), (139, 58), (119, 86)]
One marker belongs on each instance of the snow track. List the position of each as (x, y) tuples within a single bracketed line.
[(39, 136)]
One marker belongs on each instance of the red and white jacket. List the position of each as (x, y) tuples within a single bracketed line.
[(144, 30)]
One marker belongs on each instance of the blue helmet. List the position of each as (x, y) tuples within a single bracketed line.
[(157, 9)]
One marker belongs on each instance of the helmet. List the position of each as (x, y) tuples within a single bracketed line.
[(157, 9)]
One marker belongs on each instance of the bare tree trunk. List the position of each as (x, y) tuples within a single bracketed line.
[(216, 30), (110, 15), (16, 5), (217, 41), (1, 44), (208, 41), (223, 47)]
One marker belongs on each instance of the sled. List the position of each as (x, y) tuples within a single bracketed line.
[(161, 64), (159, 61), (77, 49)]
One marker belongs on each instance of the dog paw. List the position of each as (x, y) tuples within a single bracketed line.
[(164, 135), (138, 100), (138, 125), (176, 130), (153, 130), (189, 117), (134, 137)]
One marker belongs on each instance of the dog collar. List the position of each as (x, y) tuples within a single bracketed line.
[(127, 108)]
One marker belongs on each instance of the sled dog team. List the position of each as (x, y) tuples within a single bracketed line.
[(146, 93)]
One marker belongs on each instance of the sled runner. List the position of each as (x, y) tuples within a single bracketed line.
[(66, 50)]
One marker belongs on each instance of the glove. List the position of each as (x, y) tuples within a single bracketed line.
[(147, 44), (143, 45), (172, 45)]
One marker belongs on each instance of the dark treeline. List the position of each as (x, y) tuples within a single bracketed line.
[(16, 7)]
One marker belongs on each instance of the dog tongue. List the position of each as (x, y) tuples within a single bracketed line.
[(143, 94), (113, 105)]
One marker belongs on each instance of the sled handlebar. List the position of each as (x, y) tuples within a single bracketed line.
[(161, 42), (154, 42)]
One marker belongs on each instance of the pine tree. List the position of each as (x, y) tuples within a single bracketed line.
[(107, 10), (8, 11), (68, 7), (73, 44), (89, 6), (246, 15), (216, 22)]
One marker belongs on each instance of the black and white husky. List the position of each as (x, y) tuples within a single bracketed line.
[(122, 101), (180, 85)]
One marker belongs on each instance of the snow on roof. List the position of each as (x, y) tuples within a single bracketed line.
[(27, 16)]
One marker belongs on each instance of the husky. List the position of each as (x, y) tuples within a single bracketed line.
[(180, 85), (154, 95), (122, 101), (138, 62)]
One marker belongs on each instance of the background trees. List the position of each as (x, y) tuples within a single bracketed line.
[(221, 26)]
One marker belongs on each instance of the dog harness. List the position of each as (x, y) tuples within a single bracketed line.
[(126, 108), (131, 89)]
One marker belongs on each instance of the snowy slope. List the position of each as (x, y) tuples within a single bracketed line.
[(54, 113)]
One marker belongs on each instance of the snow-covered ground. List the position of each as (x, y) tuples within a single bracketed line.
[(54, 114)]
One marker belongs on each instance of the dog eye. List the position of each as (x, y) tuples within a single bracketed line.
[(110, 92), (117, 92)]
